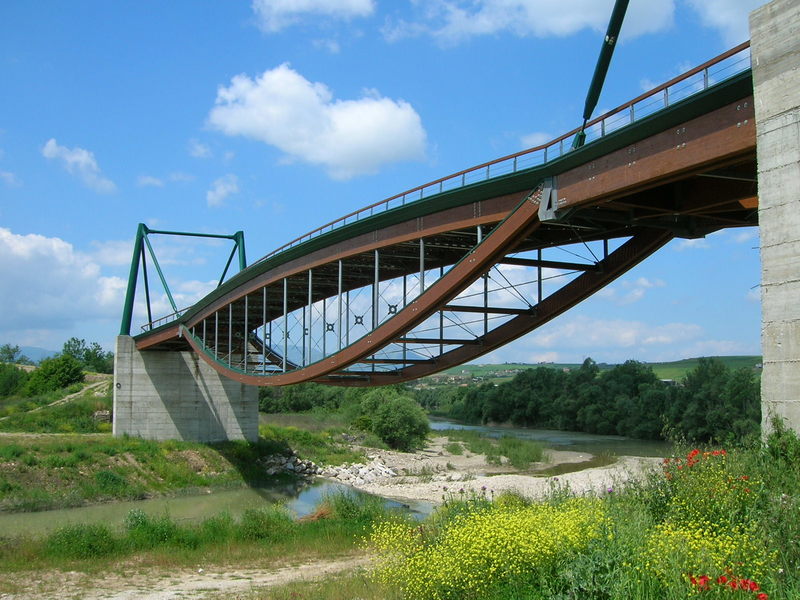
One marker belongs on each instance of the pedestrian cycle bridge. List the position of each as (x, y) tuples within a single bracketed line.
[(448, 271)]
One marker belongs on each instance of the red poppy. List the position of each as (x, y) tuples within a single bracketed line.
[(722, 579), (762, 596)]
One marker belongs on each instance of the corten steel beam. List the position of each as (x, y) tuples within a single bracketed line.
[(617, 263)]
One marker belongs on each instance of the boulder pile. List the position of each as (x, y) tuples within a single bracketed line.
[(360, 473), (279, 463)]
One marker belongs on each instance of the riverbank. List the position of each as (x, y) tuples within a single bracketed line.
[(435, 473)]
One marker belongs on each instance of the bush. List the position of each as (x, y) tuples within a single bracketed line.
[(399, 421), (53, 374), (12, 379), (81, 541), (272, 523)]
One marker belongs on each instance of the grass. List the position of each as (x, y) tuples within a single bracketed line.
[(264, 536), (518, 453), (63, 470)]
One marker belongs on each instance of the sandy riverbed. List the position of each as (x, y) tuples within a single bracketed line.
[(434, 473)]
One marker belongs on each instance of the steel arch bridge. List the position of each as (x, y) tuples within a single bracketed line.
[(448, 271)]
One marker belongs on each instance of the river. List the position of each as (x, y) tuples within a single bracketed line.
[(301, 498)]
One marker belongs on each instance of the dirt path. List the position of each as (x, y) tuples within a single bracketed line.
[(65, 399), (183, 584)]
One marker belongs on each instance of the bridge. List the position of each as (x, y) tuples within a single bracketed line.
[(443, 273)]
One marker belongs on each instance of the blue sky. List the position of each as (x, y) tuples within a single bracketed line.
[(276, 116)]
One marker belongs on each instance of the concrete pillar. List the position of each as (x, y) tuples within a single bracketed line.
[(177, 396), (775, 51)]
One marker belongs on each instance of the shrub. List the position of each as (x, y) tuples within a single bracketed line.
[(81, 541), (400, 422), (271, 523), (53, 374)]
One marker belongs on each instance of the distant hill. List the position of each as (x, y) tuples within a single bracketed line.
[(675, 370), (36, 354)]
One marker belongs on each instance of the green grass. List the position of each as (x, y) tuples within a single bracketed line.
[(62, 470), (268, 532), (518, 453)]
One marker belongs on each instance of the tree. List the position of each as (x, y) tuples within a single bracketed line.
[(397, 419), (12, 354), (91, 357)]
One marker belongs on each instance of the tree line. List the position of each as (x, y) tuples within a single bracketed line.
[(713, 402)]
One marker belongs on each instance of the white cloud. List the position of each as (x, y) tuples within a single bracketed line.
[(198, 149), (80, 162), (47, 285), (348, 137), (729, 17), (601, 335), (746, 235), (113, 252), (274, 15), (455, 20), (221, 189), (182, 177), (10, 179), (691, 244), (149, 180), (534, 139), (331, 46)]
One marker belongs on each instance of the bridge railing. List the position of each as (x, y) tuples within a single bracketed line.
[(685, 85)]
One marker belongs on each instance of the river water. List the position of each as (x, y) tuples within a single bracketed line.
[(302, 498)]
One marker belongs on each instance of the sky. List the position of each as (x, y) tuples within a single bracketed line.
[(276, 116)]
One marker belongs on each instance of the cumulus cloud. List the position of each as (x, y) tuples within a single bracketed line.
[(302, 119), (149, 181), (274, 15), (10, 179), (221, 189), (198, 149), (81, 163), (729, 17), (452, 21), (46, 284)]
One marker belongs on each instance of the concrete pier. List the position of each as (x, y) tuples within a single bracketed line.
[(775, 50), (175, 395)]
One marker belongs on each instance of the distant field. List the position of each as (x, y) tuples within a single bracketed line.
[(664, 370)]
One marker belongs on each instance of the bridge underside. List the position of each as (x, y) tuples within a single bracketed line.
[(418, 295)]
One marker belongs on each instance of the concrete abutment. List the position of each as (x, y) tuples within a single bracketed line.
[(775, 54), (176, 395)]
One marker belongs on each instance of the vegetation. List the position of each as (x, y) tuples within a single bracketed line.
[(519, 453), (91, 357), (712, 403), (12, 354), (389, 413), (708, 524), (338, 525), (55, 471)]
